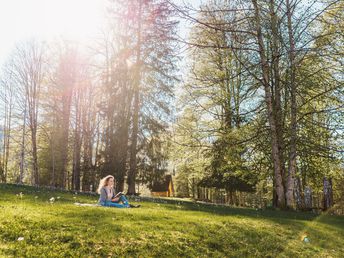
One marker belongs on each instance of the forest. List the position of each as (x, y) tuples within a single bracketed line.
[(242, 102)]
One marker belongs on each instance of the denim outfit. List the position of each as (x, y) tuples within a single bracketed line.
[(105, 201)]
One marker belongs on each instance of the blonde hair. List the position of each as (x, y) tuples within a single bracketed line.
[(103, 182)]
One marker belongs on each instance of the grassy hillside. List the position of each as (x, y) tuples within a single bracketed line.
[(31, 225)]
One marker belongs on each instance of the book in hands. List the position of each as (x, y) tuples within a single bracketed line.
[(119, 194)]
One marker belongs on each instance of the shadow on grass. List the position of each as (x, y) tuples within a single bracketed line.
[(247, 212)]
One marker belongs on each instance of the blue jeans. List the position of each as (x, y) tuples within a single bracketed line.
[(122, 199)]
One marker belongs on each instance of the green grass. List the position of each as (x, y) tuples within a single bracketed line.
[(62, 229)]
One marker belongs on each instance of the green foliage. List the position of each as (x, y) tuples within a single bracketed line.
[(224, 117), (228, 169), (186, 181), (153, 158), (187, 151)]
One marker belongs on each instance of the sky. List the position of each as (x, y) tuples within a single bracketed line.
[(45, 19)]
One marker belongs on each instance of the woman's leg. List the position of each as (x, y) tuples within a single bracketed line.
[(114, 204), (124, 200)]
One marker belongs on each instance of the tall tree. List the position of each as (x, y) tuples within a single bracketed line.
[(8, 97), (277, 40), (29, 71), (141, 66)]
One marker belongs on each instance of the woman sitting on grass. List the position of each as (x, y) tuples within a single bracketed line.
[(109, 198)]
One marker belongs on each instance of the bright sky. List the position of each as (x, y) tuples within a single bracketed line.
[(45, 19), (23, 19)]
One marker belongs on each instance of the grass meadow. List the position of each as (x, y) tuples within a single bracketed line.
[(32, 224)]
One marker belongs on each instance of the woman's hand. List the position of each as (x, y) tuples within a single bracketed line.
[(116, 199)]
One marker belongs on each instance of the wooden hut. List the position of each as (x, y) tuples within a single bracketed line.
[(163, 188)]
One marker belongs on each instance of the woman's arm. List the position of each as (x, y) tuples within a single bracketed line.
[(103, 195), (116, 197)]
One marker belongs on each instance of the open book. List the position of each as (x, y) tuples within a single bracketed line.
[(119, 194)]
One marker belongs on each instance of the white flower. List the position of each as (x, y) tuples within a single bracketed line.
[(52, 199), (58, 197), (20, 238)]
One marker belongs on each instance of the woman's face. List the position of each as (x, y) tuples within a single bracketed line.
[(111, 182)]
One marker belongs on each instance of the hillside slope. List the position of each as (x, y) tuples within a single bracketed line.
[(31, 225)]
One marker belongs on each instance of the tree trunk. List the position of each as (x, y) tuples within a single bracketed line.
[(271, 114), (66, 100), (136, 111), (293, 119), (34, 155), (87, 119), (52, 151), (308, 198), (22, 151), (299, 200), (77, 144), (33, 100), (328, 194), (7, 131), (276, 82)]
